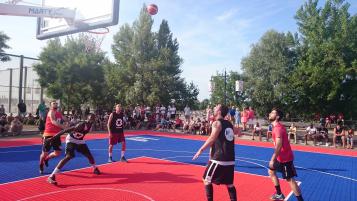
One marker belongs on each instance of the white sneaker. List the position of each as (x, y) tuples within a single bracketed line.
[(327, 145)]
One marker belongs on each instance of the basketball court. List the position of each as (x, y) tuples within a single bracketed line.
[(161, 168)]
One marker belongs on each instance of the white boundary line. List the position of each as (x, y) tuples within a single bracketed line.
[(79, 189), (11, 182)]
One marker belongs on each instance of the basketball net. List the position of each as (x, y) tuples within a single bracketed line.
[(93, 39)]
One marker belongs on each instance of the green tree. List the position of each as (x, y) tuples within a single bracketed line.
[(71, 72), (3, 39), (267, 69), (328, 58), (148, 65)]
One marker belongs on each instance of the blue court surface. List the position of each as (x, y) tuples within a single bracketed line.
[(322, 177)]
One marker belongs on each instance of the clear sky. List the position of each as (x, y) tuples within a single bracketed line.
[(213, 34)]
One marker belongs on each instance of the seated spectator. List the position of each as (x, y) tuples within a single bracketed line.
[(151, 124), (328, 122), (338, 134), (197, 126), (10, 118), (178, 123), (350, 134), (4, 127), (16, 126), (204, 128), (186, 126), (293, 131), (340, 121), (269, 131), (310, 133), (162, 125), (322, 134), (30, 119), (257, 130)]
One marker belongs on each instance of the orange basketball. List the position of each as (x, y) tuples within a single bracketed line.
[(152, 9)]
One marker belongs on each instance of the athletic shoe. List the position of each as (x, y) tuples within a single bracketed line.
[(52, 180), (96, 171), (277, 197), (123, 159), (46, 162), (110, 160), (41, 169)]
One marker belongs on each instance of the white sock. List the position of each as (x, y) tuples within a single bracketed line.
[(110, 155), (122, 153), (55, 171)]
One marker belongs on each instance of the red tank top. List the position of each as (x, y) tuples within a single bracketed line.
[(50, 128)]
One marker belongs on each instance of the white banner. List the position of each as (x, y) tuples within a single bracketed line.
[(239, 85)]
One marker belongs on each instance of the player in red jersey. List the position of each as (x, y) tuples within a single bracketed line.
[(54, 124), (283, 157)]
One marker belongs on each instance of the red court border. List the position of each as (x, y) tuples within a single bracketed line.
[(37, 140)]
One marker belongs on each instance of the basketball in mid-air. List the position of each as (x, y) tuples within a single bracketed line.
[(152, 9)]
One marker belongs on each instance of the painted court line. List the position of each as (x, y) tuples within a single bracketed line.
[(63, 172), (79, 189)]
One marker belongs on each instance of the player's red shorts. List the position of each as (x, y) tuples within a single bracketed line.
[(116, 138)]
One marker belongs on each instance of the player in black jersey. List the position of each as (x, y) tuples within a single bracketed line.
[(75, 142), (220, 169), (116, 133)]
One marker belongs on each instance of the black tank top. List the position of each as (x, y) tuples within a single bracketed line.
[(223, 147), (117, 123), (339, 131), (80, 130)]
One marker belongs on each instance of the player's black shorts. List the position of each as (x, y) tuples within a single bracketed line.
[(219, 174), (55, 144), (287, 169), (81, 148)]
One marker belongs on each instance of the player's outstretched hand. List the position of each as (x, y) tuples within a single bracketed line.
[(197, 154)]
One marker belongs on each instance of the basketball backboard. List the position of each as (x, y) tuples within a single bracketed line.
[(89, 14)]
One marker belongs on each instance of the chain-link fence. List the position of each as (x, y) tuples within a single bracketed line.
[(16, 85)]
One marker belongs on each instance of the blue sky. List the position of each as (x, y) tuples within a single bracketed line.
[(213, 34)]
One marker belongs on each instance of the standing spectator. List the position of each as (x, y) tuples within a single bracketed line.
[(251, 118), (163, 111), (208, 113), (16, 126), (187, 112), (293, 131), (4, 127), (87, 111), (42, 110), (2, 110), (173, 111), (237, 118), (147, 111), (310, 133), (245, 116), (21, 108), (350, 134), (338, 134), (232, 113)]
